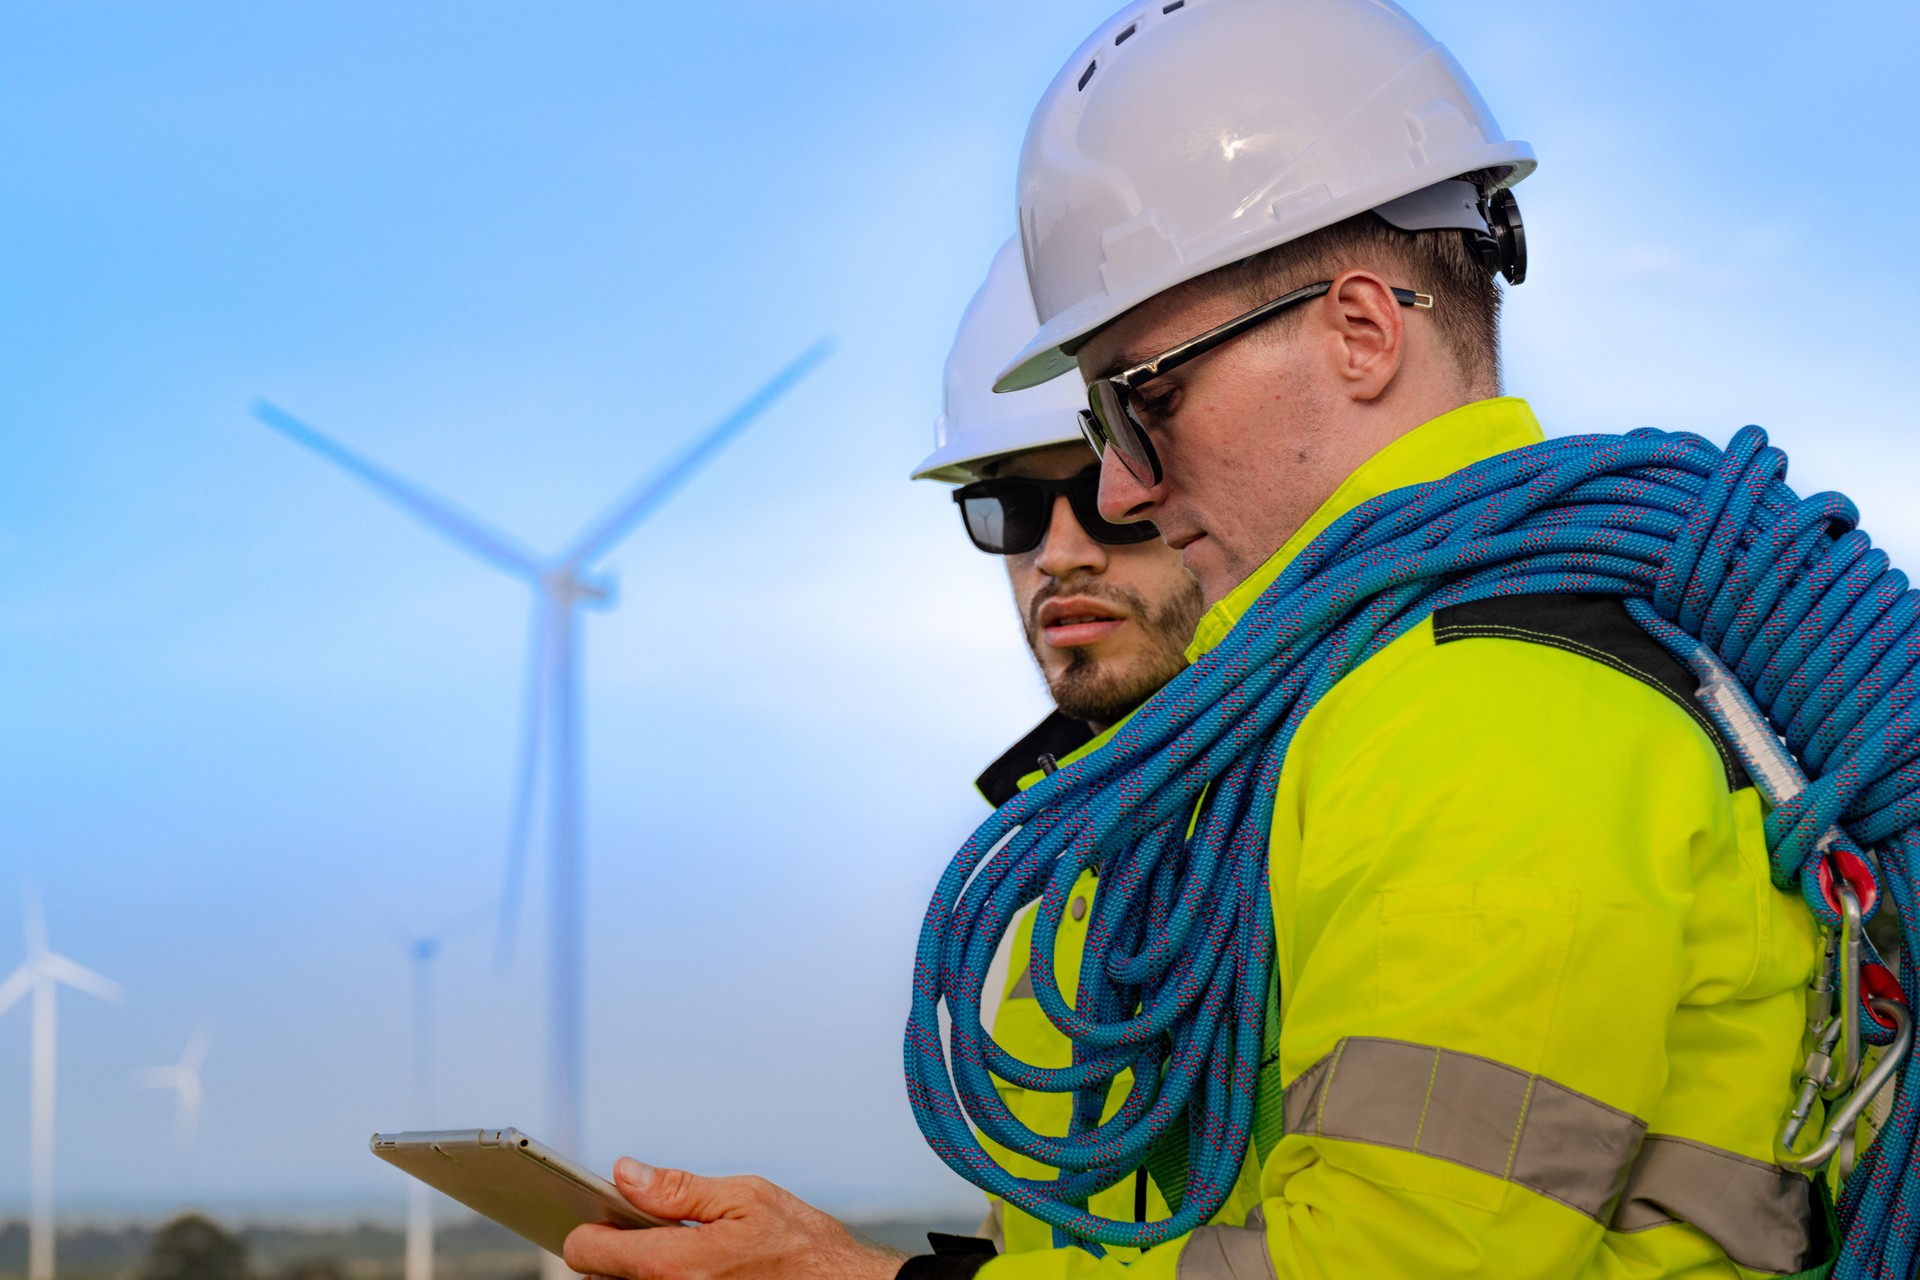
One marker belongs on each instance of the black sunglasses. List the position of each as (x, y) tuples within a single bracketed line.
[(1009, 517), (1112, 415)]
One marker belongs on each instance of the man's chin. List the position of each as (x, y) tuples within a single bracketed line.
[(1209, 566), (1104, 692)]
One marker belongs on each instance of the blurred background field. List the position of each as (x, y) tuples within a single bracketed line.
[(466, 1248), (258, 728)]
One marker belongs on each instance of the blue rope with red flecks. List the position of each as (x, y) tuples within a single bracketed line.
[(1810, 617)]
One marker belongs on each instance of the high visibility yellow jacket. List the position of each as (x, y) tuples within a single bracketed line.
[(1541, 1008)]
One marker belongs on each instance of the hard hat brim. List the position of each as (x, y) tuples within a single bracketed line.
[(959, 461), (1045, 358)]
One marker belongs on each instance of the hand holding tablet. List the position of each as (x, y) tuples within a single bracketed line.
[(744, 1227), (502, 1174)]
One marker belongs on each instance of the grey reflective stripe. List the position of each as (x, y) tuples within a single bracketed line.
[(1023, 989), (1228, 1253), (1567, 1146), (1760, 1214), (1472, 1111)]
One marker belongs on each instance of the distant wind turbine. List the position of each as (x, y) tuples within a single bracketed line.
[(421, 951), (41, 975), (419, 1255), (183, 1077), (550, 721)]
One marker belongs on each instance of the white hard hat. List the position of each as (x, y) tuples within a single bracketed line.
[(1187, 135), (979, 426)]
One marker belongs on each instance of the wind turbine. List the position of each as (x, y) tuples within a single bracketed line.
[(550, 720), (41, 975), (421, 952), (183, 1077)]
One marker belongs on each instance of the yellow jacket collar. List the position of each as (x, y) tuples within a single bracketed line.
[(1469, 434)]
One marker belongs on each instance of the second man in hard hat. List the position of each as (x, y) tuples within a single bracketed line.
[(1107, 611)]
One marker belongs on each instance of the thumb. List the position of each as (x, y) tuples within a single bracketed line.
[(672, 1194)]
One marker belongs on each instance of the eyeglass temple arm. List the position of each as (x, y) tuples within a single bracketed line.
[(1167, 361)]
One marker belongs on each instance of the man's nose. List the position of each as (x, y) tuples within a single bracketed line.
[(1123, 499), (1068, 549)]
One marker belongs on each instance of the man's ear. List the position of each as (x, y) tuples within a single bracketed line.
[(1369, 329)]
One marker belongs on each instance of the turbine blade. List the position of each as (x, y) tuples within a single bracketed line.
[(196, 1051), (641, 501), (18, 983), (526, 779), (467, 530), (61, 969)]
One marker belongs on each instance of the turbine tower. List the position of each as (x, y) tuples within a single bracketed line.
[(419, 1255), (183, 1077), (550, 721), (41, 975)]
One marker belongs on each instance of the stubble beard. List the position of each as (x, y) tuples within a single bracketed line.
[(1103, 691)]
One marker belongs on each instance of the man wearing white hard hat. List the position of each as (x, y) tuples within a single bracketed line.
[(1533, 1005), (1513, 993)]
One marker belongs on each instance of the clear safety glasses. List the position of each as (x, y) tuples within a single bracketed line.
[(1010, 516), (1112, 416)]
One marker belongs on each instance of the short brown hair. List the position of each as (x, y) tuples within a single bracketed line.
[(1466, 296)]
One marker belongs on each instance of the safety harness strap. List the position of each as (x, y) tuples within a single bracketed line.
[(1167, 1159), (1270, 1089)]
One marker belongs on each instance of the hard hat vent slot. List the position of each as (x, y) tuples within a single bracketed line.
[(1088, 73), (1123, 36), (1177, 4)]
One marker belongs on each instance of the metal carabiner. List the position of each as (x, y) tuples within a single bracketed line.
[(1820, 990), (1842, 1121), (1848, 1014), (1814, 1078)]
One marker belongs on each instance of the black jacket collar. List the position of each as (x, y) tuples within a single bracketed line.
[(1055, 736)]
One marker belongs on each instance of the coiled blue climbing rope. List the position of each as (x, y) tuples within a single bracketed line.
[(1709, 544)]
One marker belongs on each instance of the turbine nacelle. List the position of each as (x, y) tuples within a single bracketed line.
[(183, 1077), (565, 585)]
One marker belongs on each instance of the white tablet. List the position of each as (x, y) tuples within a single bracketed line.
[(504, 1175)]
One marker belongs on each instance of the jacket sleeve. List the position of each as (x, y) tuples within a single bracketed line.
[(1483, 864)]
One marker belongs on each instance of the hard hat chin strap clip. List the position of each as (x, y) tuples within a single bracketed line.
[(1502, 247), (1489, 221)]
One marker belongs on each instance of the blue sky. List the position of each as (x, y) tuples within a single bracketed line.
[(257, 724)]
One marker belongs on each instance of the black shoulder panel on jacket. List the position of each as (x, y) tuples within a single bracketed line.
[(1596, 627), (1055, 736)]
